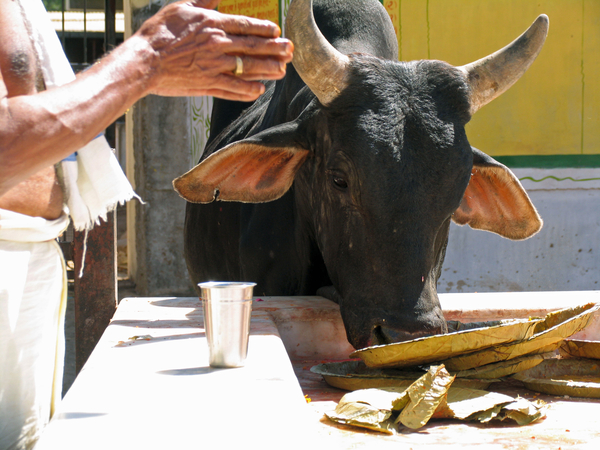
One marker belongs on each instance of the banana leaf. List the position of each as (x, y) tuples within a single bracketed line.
[(523, 411), (462, 403), (572, 377), (363, 415), (353, 375), (580, 349), (370, 408), (444, 346), (503, 368), (431, 396), (548, 335), (426, 394)]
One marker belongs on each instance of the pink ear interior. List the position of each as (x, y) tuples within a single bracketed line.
[(495, 201), (243, 172)]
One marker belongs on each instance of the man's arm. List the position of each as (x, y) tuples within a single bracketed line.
[(183, 50)]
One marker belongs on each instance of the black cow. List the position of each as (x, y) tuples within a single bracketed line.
[(343, 177)]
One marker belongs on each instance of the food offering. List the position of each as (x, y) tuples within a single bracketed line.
[(468, 339), (432, 396), (548, 336), (570, 377), (573, 348), (446, 376), (354, 374)]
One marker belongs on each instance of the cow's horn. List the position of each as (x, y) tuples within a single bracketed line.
[(493, 75), (318, 63)]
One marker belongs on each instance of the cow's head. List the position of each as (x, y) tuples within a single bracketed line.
[(386, 165)]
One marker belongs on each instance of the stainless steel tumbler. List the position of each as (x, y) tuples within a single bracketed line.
[(227, 310)]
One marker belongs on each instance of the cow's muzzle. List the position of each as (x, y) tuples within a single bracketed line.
[(383, 332)]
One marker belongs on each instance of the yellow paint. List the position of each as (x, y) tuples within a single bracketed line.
[(591, 78), (393, 9), (555, 107), (261, 9)]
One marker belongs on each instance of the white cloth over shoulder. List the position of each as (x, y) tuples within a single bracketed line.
[(33, 295), (94, 181)]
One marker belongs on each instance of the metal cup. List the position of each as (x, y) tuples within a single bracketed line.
[(227, 309)]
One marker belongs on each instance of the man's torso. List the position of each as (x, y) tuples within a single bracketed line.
[(41, 194)]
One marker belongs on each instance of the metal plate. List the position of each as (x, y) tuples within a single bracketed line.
[(443, 346)]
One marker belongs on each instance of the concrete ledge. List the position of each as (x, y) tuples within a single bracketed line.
[(157, 391), (148, 384)]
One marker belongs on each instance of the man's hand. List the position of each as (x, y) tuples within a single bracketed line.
[(195, 52), (186, 49)]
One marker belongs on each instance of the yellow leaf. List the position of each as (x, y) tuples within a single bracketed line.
[(426, 394)]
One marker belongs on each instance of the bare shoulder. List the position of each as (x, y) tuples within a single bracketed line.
[(18, 64)]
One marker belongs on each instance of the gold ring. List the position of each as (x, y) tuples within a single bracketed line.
[(239, 66)]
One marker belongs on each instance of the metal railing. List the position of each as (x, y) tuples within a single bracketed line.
[(86, 28)]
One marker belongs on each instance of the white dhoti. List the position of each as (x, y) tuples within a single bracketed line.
[(33, 292)]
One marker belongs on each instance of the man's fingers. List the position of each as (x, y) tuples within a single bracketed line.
[(257, 68), (228, 95), (249, 45), (223, 86), (248, 26), (235, 88)]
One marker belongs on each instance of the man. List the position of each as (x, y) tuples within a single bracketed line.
[(186, 49)]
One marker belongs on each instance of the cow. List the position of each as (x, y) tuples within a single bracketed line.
[(342, 178)]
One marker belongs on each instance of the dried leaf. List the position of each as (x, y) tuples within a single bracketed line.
[(353, 375), (145, 337), (426, 394), (580, 349), (354, 409), (573, 377), (463, 403), (383, 399), (549, 333), (361, 415), (523, 411), (486, 416), (443, 346), (431, 396), (503, 368)]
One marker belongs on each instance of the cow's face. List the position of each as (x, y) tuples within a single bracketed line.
[(385, 166), (393, 163)]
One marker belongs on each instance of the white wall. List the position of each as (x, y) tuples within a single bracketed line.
[(564, 255)]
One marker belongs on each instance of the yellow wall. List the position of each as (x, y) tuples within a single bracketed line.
[(554, 109), (261, 9)]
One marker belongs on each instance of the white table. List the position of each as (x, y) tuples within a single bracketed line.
[(159, 392)]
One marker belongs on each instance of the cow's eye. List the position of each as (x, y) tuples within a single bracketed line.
[(339, 182)]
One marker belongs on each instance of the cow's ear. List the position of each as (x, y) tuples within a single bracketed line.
[(495, 201), (255, 170)]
